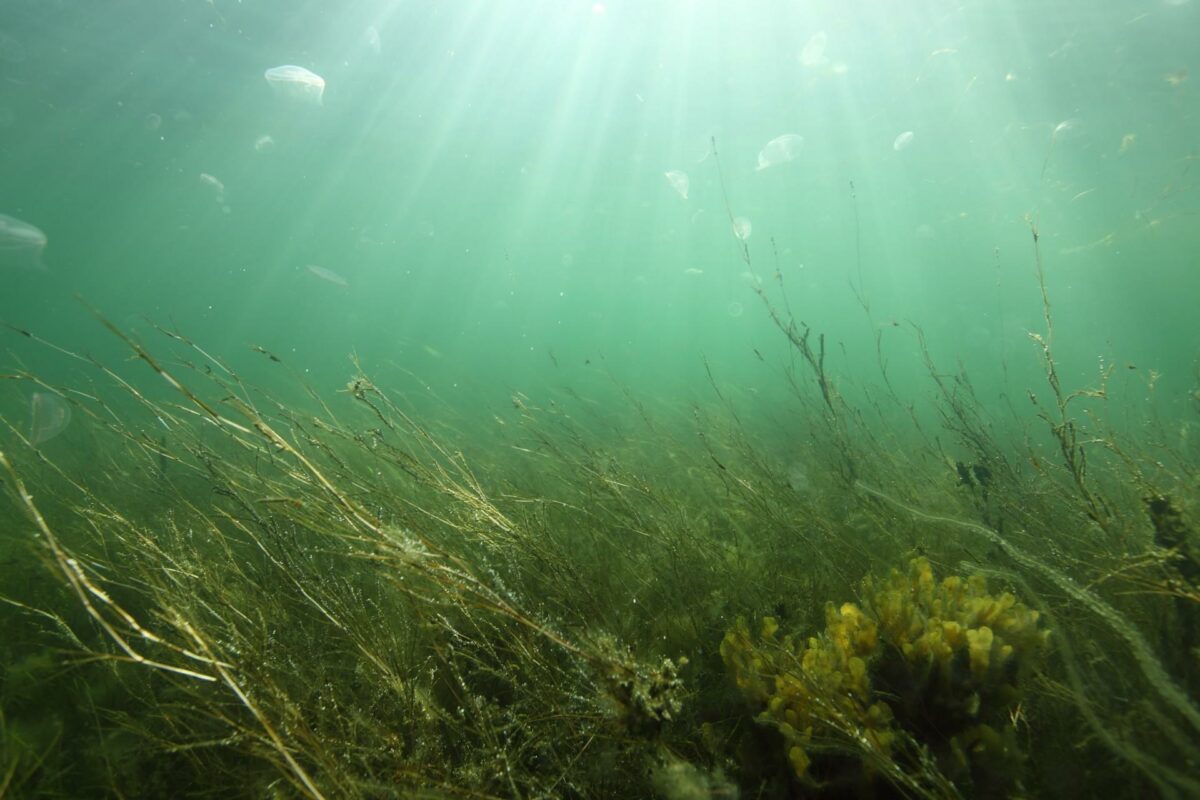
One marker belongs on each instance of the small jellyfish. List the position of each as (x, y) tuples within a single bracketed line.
[(152, 122), (742, 228), (735, 309), (21, 244), (216, 185), (296, 83), (371, 37), (213, 181), (264, 143), (902, 141), (11, 49), (813, 52), (49, 416), (327, 275), (678, 181), (797, 478), (780, 150), (1063, 128)]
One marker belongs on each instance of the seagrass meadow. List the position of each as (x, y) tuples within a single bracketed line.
[(673, 400)]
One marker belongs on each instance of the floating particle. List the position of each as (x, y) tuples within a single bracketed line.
[(678, 181), (327, 275), (21, 244), (264, 143), (780, 150), (902, 141), (296, 83), (693, 271), (813, 52), (742, 228), (49, 416), (1176, 78)]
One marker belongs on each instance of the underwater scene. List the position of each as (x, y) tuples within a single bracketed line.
[(681, 399)]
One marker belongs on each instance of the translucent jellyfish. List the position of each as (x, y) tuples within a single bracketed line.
[(11, 49), (735, 309), (902, 141), (813, 52), (296, 83), (742, 228), (797, 478), (372, 40), (49, 416), (264, 143), (214, 183), (678, 181), (21, 244), (1063, 128), (780, 150), (328, 275)]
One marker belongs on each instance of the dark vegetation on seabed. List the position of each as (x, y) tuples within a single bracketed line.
[(217, 594)]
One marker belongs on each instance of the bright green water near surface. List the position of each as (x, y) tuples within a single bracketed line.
[(490, 181), (483, 194)]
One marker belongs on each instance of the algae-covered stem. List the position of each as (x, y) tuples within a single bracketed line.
[(859, 291), (1063, 428), (90, 594), (800, 340)]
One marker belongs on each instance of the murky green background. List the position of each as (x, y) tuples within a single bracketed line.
[(489, 182)]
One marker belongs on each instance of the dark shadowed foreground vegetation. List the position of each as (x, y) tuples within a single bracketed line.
[(220, 590)]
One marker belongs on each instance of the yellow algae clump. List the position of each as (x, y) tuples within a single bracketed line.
[(936, 663), (979, 643)]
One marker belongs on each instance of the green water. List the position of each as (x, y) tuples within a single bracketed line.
[(483, 193), (491, 185)]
